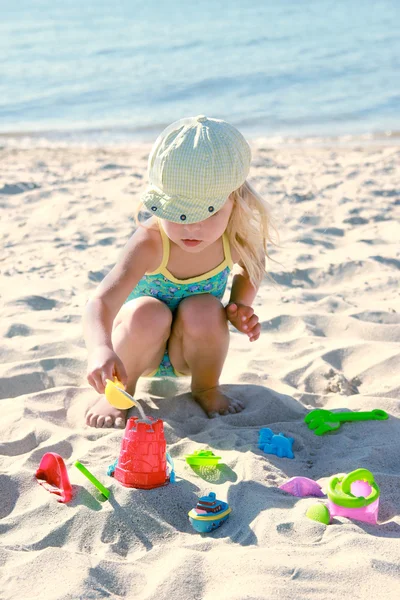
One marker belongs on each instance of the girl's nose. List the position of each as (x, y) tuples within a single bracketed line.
[(192, 229)]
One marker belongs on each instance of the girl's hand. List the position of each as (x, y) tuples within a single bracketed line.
[(243, 318), (104, 364)]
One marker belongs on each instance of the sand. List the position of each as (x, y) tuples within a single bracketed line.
[(330, 338)]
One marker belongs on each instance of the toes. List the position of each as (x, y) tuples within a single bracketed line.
[(236, 406), (119, 423), (100, 421), (233, 408), (91, 420), (212, 415)]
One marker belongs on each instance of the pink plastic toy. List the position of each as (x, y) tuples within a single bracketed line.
[(301, 487), (355, 496)]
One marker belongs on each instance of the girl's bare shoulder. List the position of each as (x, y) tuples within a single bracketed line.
[(149, 233)]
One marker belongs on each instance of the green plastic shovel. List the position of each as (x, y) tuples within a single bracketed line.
[(321, 421)]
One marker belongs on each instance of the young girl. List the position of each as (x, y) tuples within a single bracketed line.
[(159, 312)]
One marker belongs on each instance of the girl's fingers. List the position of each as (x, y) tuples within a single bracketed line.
[(252, 322), (256, 329), (94, 381), (254, 334), (231, 311), (99, 386), (245, 312), (121, 373), (231, 307), (107, 374)]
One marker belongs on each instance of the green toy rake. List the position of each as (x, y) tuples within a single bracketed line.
[(321, 421)]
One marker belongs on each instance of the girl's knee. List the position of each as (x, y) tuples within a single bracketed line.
[(147, 315), (202, 314)]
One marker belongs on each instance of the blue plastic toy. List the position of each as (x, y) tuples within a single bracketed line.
[(208, 514), (170, 462), (271, 443)]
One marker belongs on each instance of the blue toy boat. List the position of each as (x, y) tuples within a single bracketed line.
[(208, 514)]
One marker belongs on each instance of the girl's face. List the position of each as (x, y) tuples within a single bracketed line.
[(197, 236)]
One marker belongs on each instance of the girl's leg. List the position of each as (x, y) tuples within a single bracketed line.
[(140, 333), (198, 345)]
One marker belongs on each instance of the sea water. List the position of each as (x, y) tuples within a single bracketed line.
[(129, 68)]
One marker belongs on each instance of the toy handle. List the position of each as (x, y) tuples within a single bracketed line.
[(357, 475), (372, 415), (172, 470)]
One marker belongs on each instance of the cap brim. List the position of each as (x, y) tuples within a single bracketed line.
[(179, 209)]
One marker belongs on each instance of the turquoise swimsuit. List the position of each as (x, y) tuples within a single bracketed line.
[(163, 285)]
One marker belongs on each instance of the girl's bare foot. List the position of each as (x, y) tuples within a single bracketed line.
[(102, 414), (214, 402)]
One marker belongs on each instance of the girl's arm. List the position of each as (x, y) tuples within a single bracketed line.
[(101, 310), (242, 291), (239, 310)]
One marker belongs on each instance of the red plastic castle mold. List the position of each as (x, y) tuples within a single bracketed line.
[(142, 461)]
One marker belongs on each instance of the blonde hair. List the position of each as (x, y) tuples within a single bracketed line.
[(249, 230)]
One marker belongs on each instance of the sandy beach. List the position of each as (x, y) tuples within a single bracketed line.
[(330, 339)]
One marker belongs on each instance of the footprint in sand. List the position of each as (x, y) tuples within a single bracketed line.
[(37, 302), (10, 498), (338, 384), (96, 276), (18, 329), (18, 188), (355, 221)]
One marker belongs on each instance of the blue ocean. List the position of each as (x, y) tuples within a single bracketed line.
[(128, 68)]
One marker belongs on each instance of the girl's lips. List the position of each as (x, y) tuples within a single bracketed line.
[(191, 242)]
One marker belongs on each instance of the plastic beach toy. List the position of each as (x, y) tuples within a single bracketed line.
[(53, 476), (171, 468), (202, 457), (301, 487), (114, 396), (105, 491), (355, 496), (280, 445), (118, 397), (320, 513), (208, 514), (142, 461), (321, 421)]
